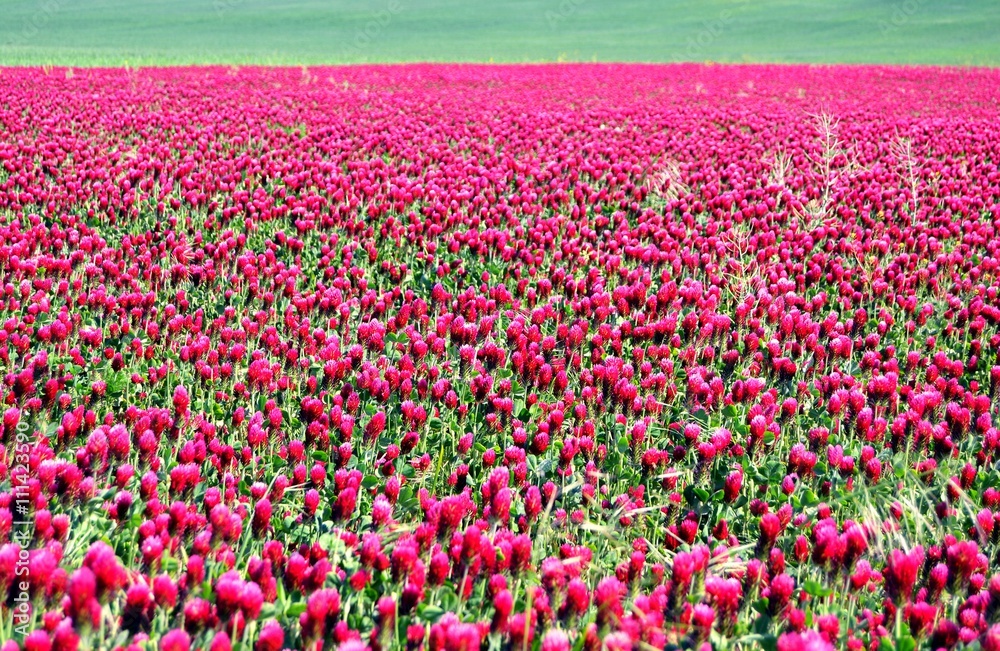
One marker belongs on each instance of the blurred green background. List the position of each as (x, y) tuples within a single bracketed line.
[(292, 32)]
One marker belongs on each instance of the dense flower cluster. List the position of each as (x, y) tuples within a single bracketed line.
[(457, 357)]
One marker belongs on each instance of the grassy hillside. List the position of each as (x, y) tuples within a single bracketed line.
[(113, 32)]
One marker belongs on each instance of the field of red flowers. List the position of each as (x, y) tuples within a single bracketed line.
[(458, 357)]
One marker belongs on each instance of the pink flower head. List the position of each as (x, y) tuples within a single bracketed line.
[(271, 637), (181, 400), (901, 573), (175, 640), (806, 641)]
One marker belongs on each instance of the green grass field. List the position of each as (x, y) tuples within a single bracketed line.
[(292, 32)]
